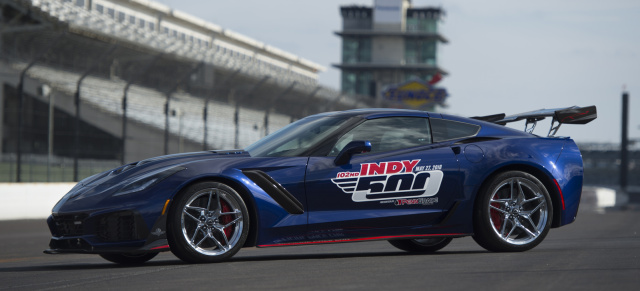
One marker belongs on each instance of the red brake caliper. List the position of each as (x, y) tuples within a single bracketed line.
[(496, 217), (226, 218)]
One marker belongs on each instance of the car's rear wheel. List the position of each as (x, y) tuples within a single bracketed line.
[(513, 213), (208, 222), (129, 259), (422, 245)]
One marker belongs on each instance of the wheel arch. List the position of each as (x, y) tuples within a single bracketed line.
[(244, 193), (541, 175)]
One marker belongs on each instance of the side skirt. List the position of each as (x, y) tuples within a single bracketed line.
[(390, 237)]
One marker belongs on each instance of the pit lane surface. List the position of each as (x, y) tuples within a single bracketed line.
[(597, 252)]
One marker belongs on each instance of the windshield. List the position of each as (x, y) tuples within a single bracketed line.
[(295, 138)]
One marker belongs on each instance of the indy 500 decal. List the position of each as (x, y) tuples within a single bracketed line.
[(390, 180)]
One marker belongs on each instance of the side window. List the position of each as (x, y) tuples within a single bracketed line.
[(388, 134), (444, 130)]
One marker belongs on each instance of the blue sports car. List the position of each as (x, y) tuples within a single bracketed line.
[(414, 178)]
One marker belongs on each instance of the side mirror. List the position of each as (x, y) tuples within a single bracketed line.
[(354, 147)]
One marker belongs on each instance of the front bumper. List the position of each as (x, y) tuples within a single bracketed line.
[(120, 231)]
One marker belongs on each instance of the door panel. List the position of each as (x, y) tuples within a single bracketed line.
[(392, 190)]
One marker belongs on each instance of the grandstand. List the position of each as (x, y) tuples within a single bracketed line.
[(116, 81)]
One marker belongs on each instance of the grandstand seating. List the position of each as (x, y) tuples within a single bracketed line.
[(146, 106), (221, 53)]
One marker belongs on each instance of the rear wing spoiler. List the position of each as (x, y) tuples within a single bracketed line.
[(567, 115)]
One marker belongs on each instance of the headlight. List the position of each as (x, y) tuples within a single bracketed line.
[(144, 181)]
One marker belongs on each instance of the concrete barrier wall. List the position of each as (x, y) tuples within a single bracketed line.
[(30, 200)]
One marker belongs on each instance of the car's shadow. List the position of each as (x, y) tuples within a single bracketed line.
[(318, 256), (259, 258)]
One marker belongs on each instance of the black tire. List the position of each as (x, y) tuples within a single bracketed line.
[(426, 245), (513, 213), (208, 222), (129, 259)]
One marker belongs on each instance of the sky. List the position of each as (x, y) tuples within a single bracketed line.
[(503, 56)]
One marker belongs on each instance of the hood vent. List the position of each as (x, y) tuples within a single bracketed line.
[(228, 152)]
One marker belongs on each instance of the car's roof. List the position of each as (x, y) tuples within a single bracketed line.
[(375, 112), (371, 113)]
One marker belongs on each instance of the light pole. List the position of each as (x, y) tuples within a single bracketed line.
[(624, 143)]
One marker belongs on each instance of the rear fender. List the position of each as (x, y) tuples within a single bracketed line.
[(537, 156), (569, 173)]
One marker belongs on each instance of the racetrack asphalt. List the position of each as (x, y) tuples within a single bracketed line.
[(600, 251)]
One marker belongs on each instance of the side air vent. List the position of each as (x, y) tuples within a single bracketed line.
[(275, 190)]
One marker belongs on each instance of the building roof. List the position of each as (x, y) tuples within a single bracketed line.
[(373, 66), (81, 18), (405, 34), (167, 12)]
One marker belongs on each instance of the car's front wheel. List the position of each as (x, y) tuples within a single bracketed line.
[(129, 259), (513, 213), (422, 245), (208, 222)]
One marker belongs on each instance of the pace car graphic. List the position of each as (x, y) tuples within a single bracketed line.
[(389, 180)]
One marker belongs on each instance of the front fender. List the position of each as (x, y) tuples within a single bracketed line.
[(271, 220)]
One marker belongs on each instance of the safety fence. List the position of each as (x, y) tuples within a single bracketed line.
[(42, 168)]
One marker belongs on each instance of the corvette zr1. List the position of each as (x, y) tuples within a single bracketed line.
[(414, 178)]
